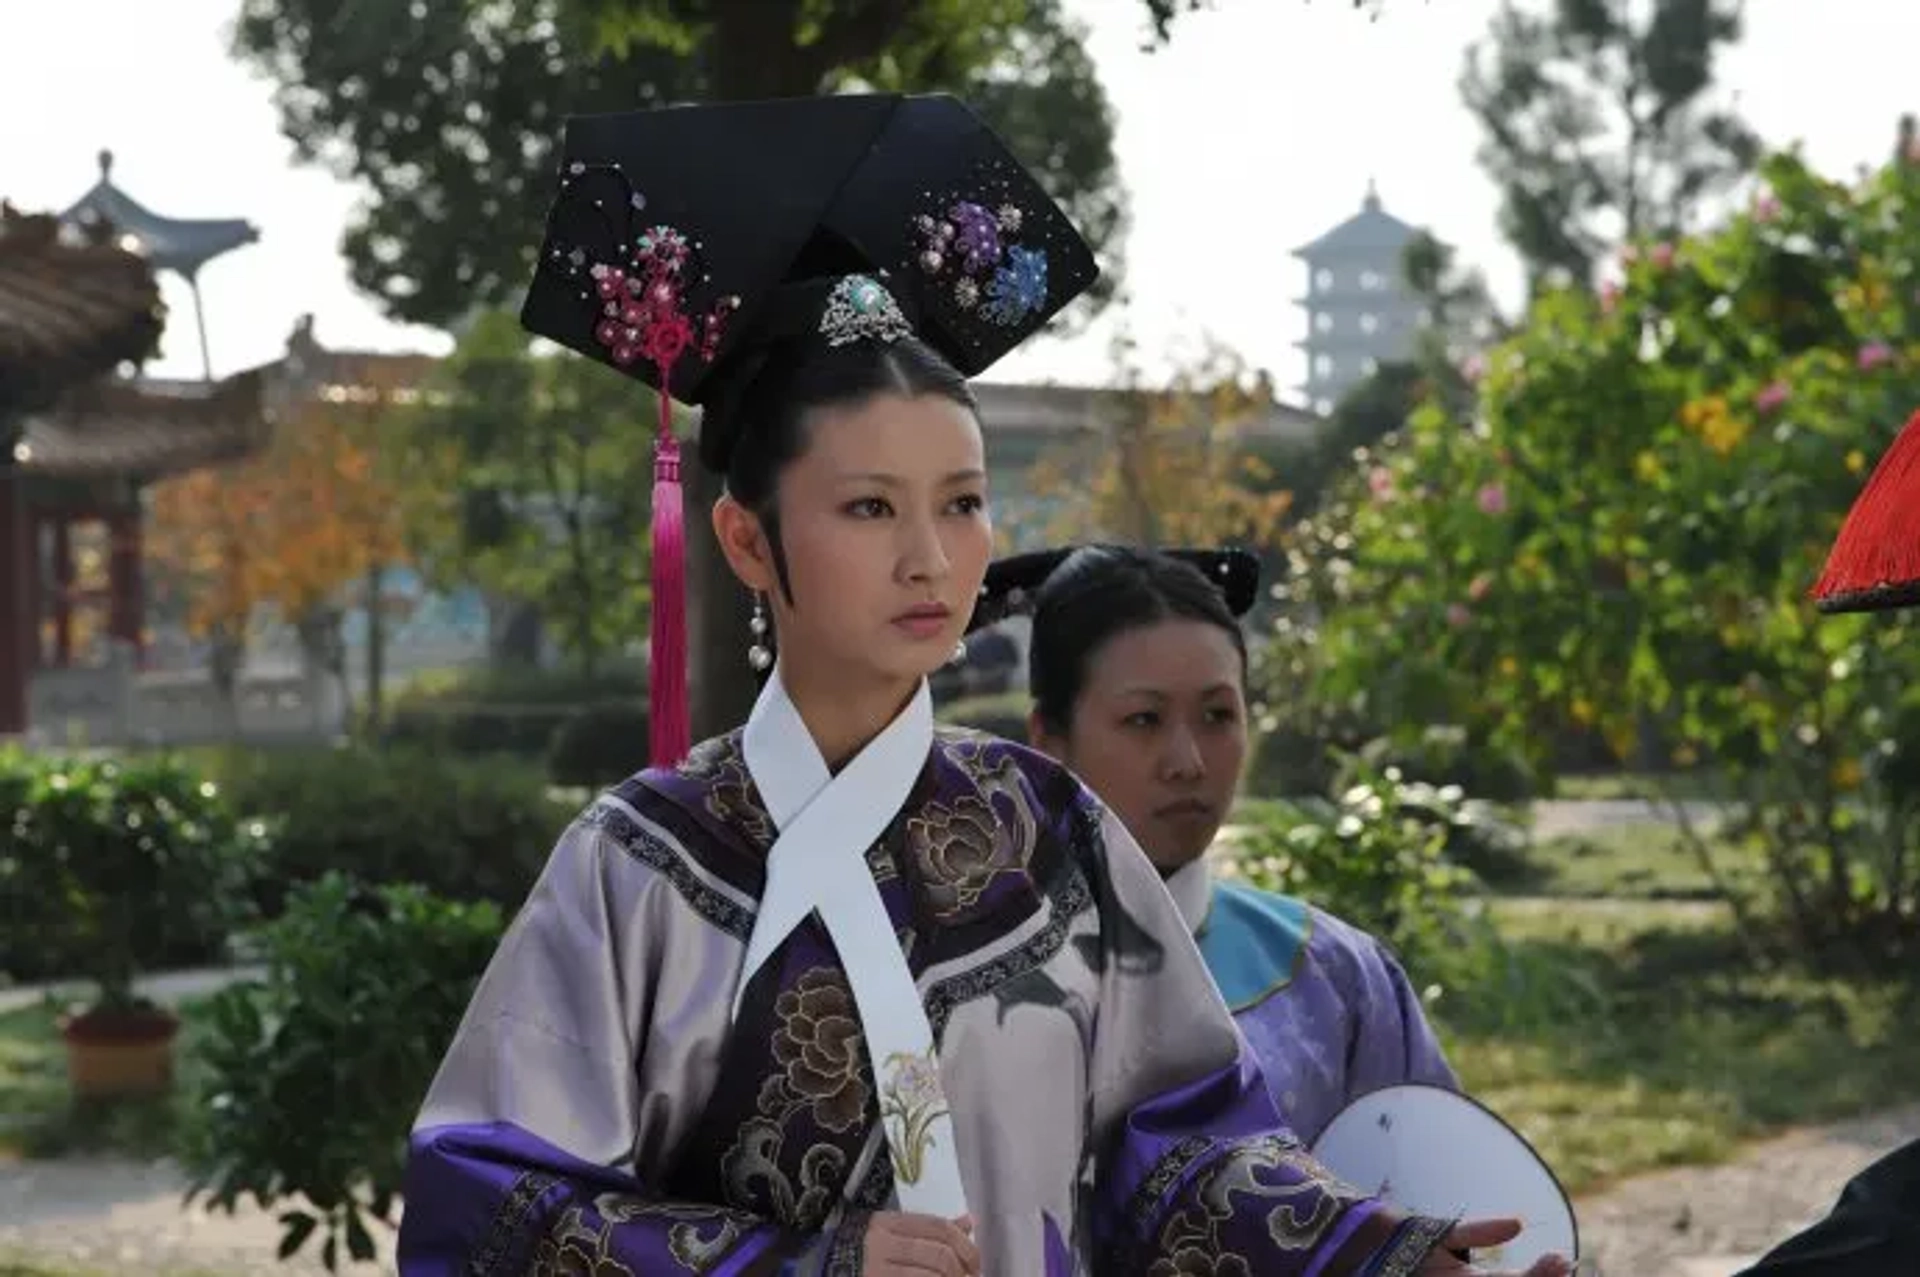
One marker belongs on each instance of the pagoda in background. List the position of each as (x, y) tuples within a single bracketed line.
[(1360, 312)]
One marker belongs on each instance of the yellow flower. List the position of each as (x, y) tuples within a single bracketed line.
[(1856, 461), (1723, 434)]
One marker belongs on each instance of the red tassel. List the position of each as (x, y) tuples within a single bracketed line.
[(1875, 562), (670, 725)]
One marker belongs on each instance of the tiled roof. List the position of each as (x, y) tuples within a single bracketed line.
[(117, 427), (73, 306), (1371, 230), (182, 244)]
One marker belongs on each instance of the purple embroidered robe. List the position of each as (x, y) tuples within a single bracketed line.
[(597, 1114), (1326, 1010)]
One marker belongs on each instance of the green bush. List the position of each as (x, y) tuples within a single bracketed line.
[(1003, 715), (463, 828), (112, 867), (1376, 856), (1379, 857), (599, 745), (505, 710), (1505, 564), (1289, 760), (311, 1078), (1446, 755)]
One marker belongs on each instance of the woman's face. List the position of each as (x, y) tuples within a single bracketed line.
[(1160, 734), (883, 518)]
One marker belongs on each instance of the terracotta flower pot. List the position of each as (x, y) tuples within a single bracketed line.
[(119, 1052)]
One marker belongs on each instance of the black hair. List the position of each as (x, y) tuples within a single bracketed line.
[(757, 425), (1099, 593)]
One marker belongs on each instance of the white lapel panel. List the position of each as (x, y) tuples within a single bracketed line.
[(818, 863)]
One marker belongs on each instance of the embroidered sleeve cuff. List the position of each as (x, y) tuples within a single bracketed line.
[(1412, 1240)]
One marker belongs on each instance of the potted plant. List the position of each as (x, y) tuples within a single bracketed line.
[(143, 865)]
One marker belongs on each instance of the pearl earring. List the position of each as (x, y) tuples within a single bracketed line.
[(759, 656), (959, 654)]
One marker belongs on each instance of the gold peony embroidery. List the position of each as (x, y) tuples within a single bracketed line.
[(911, 1101), (1191, 1261), (960, 848), (961, 845), (1299, 1208), (732, 798), (698, 1237), (821, 1050), (572, 1249)]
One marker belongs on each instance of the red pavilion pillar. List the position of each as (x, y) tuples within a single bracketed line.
[(15, 562), (36, 592), (126, 593), (62, 592)]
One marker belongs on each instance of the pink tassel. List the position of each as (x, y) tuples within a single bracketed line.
[(670, 725)]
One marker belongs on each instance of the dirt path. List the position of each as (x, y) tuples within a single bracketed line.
[(1710, 1221), (125, 1217)]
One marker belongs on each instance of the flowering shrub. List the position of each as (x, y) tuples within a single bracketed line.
[(1620, 536), (1375, 856)]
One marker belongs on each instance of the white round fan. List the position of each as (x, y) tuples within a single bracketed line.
[(1431, 1151)]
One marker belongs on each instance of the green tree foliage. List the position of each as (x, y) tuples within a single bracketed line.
[(543, 485), (1619, 536), (1601, 125), (449, 113)]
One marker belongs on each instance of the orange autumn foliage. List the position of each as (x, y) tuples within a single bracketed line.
[(292, 526), (1172, 466)]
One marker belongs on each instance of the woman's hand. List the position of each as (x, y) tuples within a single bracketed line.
[(904, 1245), (1478, 1234)]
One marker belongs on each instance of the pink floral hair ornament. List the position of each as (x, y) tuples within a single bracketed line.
[(640, 275)]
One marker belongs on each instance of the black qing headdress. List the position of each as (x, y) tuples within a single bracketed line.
[(1013, 584), (683, 238)]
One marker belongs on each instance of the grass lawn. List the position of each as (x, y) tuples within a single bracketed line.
[(38, 1116), (1629, 862), (1682, 1048), (1614, 785)]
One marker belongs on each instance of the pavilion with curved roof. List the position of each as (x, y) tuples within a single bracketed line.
[(80, 310)]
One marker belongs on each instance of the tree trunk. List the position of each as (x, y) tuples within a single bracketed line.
[(753, 57), (376, 648), (513, 632)]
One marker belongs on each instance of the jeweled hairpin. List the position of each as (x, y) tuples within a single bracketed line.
[(966, 248), (641, 295), (860, 308)]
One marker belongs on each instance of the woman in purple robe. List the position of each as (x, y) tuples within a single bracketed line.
[(841, 992), (1138, 677)]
